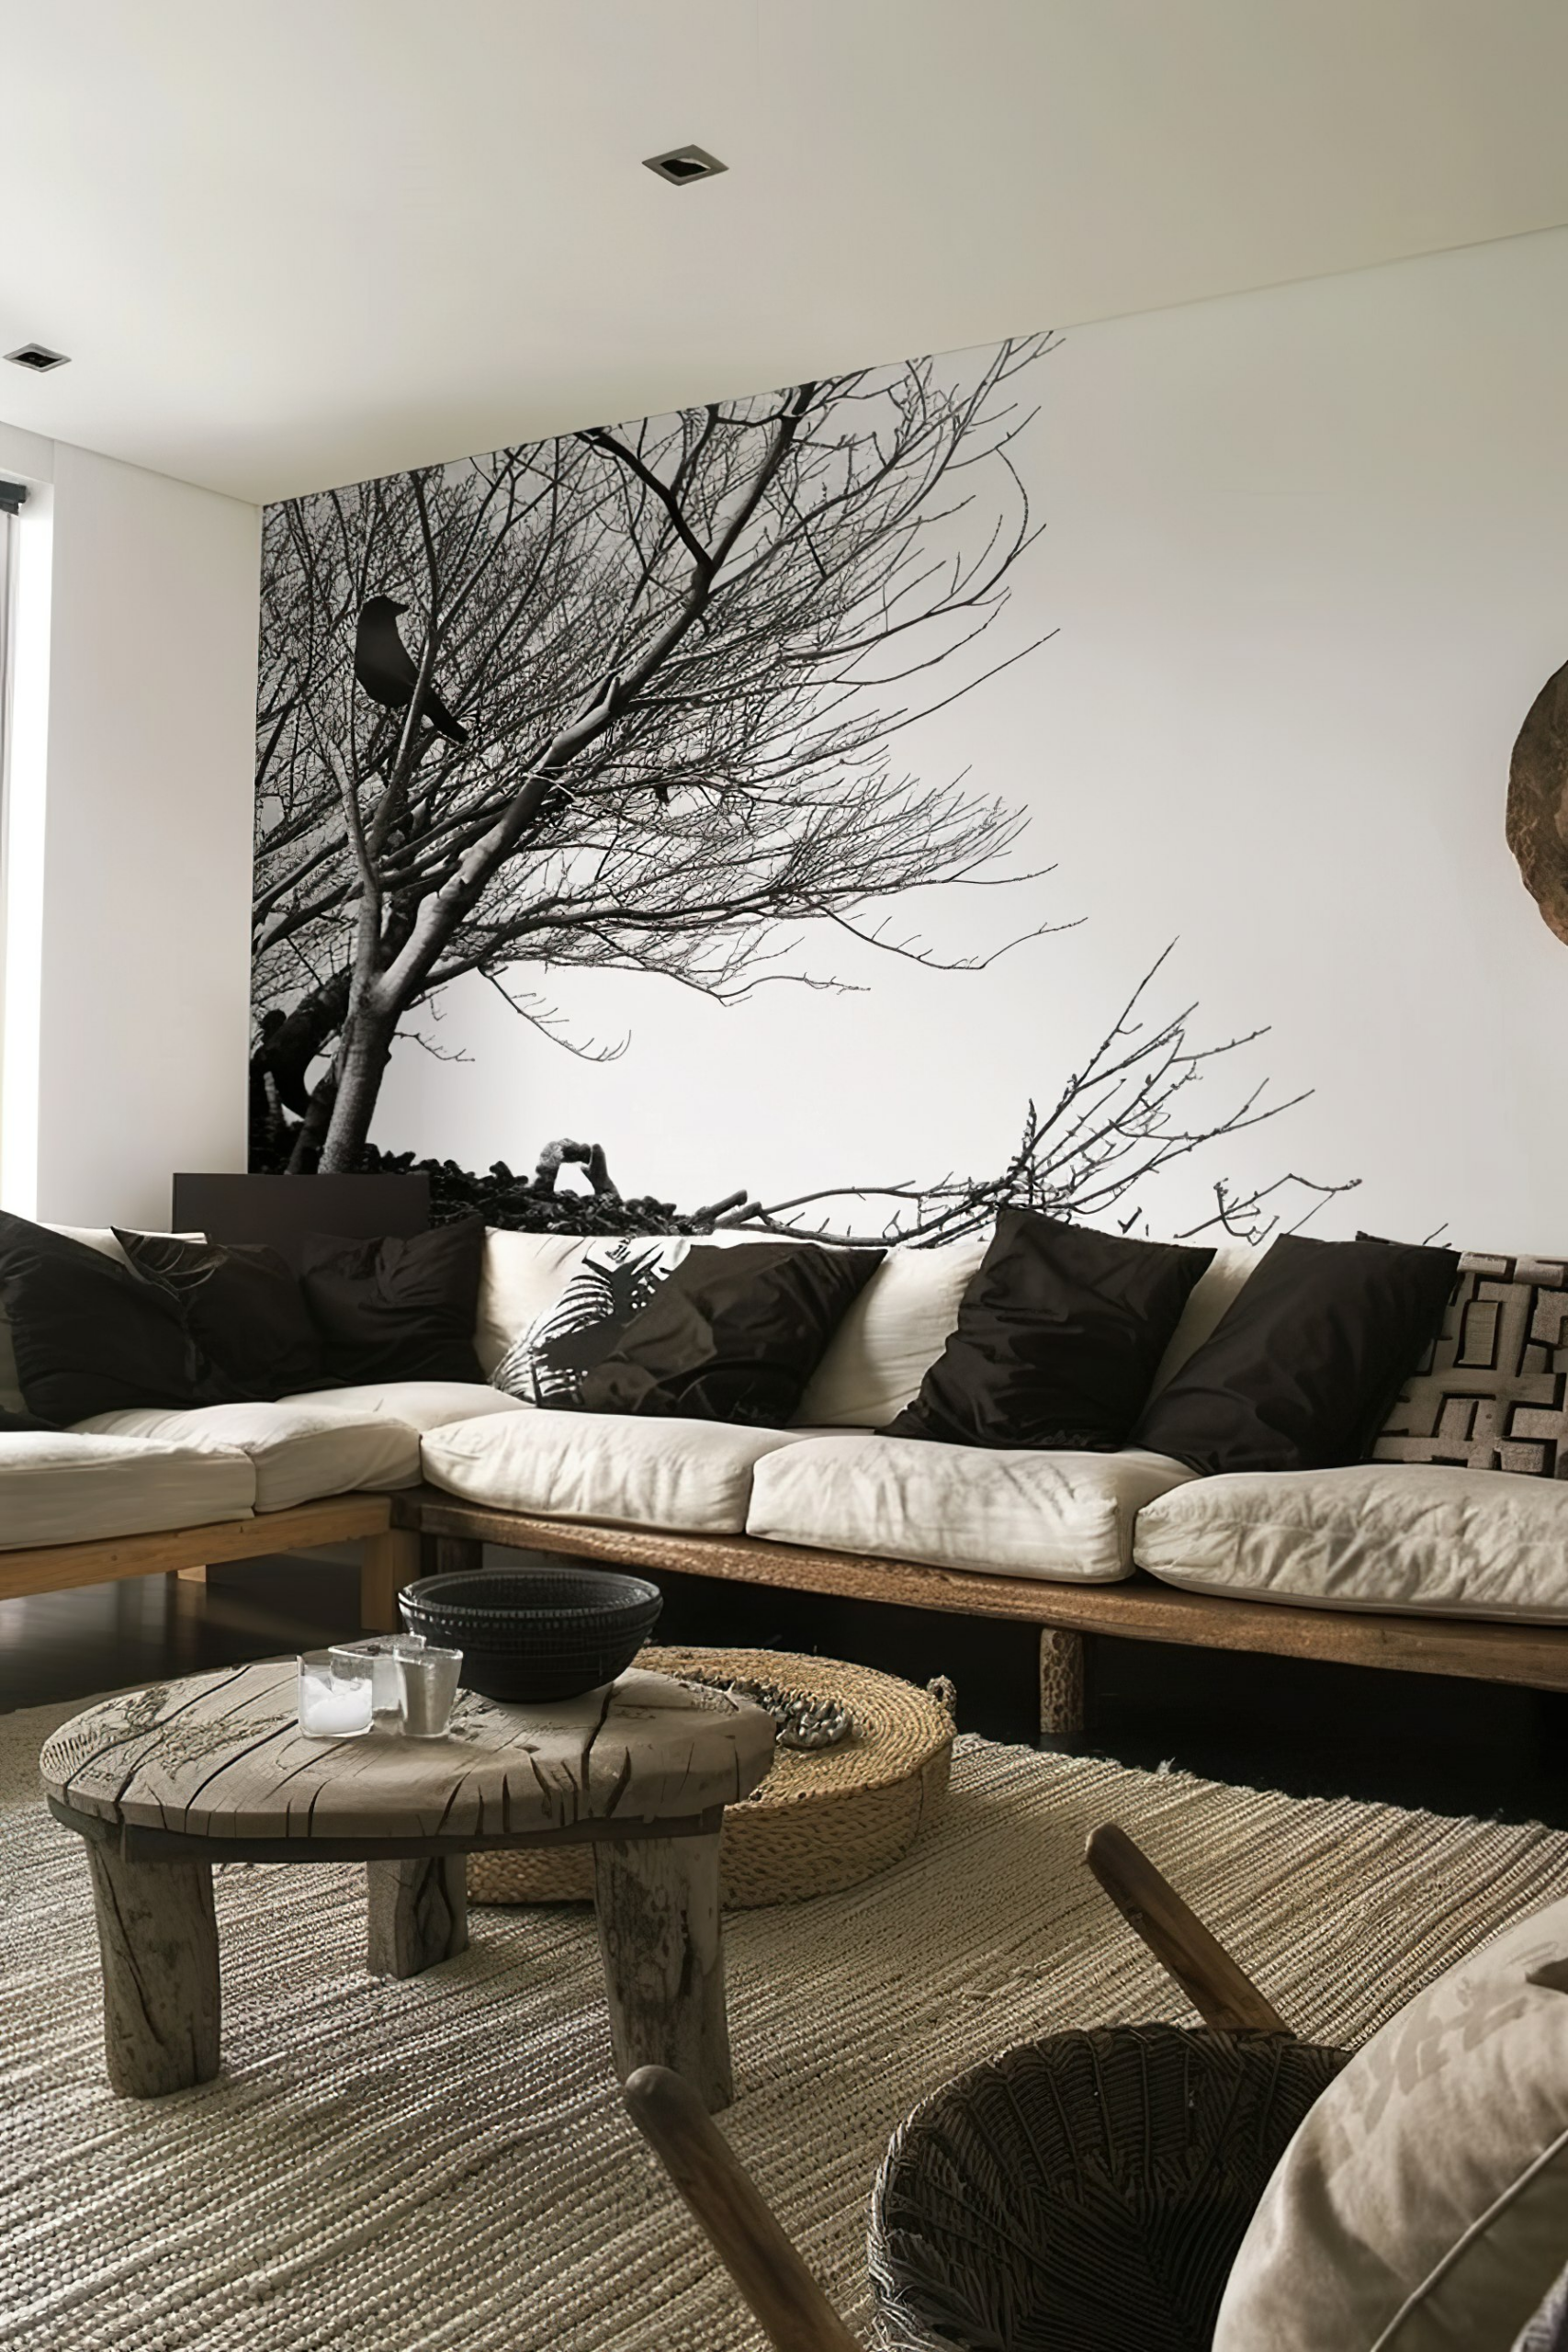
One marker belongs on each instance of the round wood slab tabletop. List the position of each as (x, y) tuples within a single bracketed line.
[(222, 1756)]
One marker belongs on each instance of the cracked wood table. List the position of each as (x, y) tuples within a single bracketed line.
[(161, 1783)]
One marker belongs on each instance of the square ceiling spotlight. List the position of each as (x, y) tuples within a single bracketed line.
[(682, 165), (39, 357)]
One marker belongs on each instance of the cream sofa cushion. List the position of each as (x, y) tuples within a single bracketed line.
[(689, 1476), (418, 1403), (1423, 2204), (891, 1335), (59, 1488), (298, 1453), (1402, 1536), (1066, 1516)]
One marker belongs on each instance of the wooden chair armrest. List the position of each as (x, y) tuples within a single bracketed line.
[(795, 2313), (1221, 1992)]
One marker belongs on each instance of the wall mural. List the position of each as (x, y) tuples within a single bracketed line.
[(635, 700)]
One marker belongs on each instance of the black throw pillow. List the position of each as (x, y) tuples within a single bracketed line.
[(731, 1335), (396, 1308), (239, 1304), (89, 1337), (20, 1424), (1059, 1334), (1300, 1372)]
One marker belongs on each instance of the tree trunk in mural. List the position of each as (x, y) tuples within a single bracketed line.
[(638, 713), (1538, 802)]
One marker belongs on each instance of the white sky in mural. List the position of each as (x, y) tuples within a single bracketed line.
[(1306, 556)]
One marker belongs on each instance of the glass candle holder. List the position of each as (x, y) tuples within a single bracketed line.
[(384, 1651), (335, 1703), (428, 1685)]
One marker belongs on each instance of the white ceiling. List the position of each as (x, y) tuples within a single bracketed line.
[(291, 243)]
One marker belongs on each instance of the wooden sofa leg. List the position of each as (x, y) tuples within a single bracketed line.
[(1061, 1684), (387, 1561), (450, 1555)]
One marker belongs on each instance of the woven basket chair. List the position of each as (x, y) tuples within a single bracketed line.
[(1085, 2193)]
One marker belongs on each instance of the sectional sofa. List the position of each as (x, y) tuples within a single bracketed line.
[(1414, 1566)]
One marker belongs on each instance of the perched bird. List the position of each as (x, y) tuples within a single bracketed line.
[(388, 673)]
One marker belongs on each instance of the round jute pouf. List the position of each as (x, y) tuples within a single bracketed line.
[(824, 1818)]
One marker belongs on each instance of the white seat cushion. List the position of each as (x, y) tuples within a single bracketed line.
[(59, 1488), (298, 1453), (689, 1476), (891, 1335), (418, 1404), (1400, 1536), (1066, 1516)]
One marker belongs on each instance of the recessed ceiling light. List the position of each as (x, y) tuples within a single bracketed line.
[(680, 166), (39, 357)]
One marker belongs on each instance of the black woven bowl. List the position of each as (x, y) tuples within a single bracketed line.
[(1086, 2193), (533, 1633)]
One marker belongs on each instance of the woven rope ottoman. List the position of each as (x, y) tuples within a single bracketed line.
[(822, 1820)]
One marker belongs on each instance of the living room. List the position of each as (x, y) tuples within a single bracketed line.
[(783, 817)]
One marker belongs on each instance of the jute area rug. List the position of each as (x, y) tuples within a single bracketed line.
[(390, 2167)]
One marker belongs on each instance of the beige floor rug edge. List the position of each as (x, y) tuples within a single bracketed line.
[(445, 2163)]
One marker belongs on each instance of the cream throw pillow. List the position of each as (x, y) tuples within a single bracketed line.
[(891, 1335), (1423, 2205)]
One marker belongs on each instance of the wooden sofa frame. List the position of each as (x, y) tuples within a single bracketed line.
[(1140, 1609), (423, 1531)]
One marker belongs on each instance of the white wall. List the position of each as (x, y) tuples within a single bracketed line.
[(1308, 558), (130, 836)]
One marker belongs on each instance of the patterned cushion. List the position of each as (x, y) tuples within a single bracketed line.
[(1423, 2205), (1491, 1393), (611, 1282)]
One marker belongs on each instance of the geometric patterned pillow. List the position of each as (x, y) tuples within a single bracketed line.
[(1492, 1391)]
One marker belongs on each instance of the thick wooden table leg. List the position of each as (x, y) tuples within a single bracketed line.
[(659, 1931), (158, 1939), (419, 1913), (1061, 1684)]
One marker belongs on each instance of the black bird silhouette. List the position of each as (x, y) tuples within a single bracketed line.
[(389, 674)]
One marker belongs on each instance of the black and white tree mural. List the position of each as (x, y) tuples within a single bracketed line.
[(633, 699)]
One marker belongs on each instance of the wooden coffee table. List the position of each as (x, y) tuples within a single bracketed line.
[(161, 1783)]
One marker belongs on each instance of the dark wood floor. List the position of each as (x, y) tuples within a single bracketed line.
[(1455, 1747)]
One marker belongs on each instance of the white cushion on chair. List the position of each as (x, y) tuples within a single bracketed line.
[(1415, 1537), (1423, 2204), (59, 1488), (689, 1476), (1066, 1516)]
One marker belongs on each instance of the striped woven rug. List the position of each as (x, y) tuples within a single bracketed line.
[(445, 2164)]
